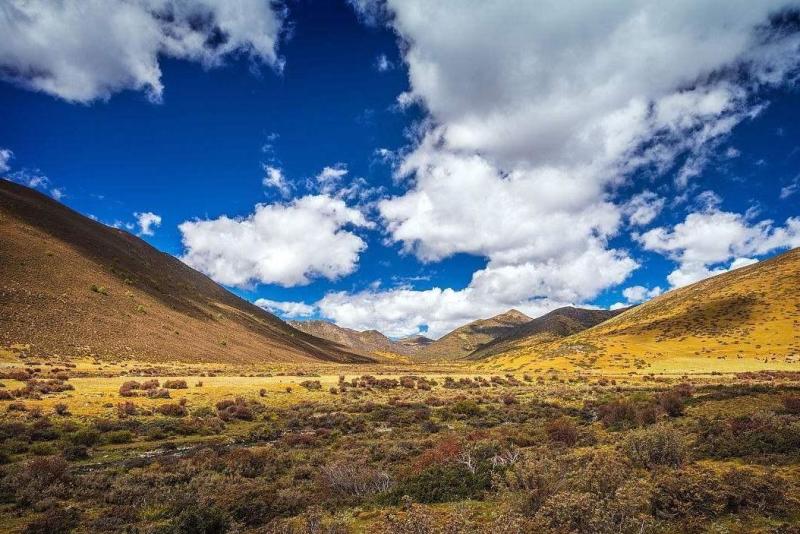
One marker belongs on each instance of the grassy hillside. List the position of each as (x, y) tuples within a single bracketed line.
[(464, 340), (550, 327), (72, 286), (745, 319)]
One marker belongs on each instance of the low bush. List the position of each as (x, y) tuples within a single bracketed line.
[(655, 446), (751, 435), (175, 384), (311, 385), (172, 409), (563, 431)]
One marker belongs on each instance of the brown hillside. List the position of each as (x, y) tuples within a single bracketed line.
[(464, 340), (73, 286), (557, 324), (368, 342)]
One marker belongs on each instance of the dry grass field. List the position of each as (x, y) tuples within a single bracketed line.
[(745, 320), (93, 445)]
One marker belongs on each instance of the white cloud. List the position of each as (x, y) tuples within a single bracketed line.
[(83, 50), (732, 153), (790, 189), (288, 309), (33, 178), (705, 240), (383, 64), (329, 178), (286, 244), (534, 116), (273, 177), (642, 208), (147, 221), (534, 288), (637, 294), (5, 157)]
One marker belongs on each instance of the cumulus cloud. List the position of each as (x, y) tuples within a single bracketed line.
[(288, 309), (287, 244), (329, 178), (712, 242), (635, 295), (642, 208), (5, 158), (83, 50), (273, 177), (147, 221), (535, 116), (533, 287)]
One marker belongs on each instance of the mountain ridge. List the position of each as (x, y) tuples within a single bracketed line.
[(748, 313), (73, 286)]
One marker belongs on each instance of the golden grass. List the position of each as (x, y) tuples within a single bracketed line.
[(745, 320)]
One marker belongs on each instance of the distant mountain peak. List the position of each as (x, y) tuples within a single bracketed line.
[(512, 316)]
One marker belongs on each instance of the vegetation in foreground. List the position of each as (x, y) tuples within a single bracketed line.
[(101, 447)]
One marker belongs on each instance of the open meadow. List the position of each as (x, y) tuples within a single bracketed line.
[(119, 446)]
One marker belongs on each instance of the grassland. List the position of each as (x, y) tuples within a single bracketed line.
[(744, 320), (394, 448)]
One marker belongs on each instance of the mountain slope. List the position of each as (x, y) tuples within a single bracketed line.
[(368, 342), (73, 286), (464, 340), (552, 326), (742, 320)]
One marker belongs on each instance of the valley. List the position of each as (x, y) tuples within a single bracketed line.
[(136, 395)]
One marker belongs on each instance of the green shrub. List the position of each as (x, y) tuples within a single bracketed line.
[(86, 437), (118, 437), (757, 434), (443, 483), (200, 520), (55, 520), (654, 446)]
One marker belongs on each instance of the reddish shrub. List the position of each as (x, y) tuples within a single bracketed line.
[(158, 393), (791, 404), (562, 430), (128, 389), (171, 409)]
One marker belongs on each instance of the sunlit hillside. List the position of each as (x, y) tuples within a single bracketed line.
[(746, 319)]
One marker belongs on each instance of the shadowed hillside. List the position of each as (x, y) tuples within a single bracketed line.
[(73, 286), (723, 323), (552, 326), (464, 340), (368, 342)]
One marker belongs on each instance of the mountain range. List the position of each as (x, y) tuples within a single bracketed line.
[(72, 286)]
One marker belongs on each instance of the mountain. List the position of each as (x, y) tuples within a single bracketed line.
[(464, 340), (73, 286), (742, 320), (557, 324), (415, 342), (365, 342), (368, 342)]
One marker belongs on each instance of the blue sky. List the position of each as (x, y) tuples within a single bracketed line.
[(486, 167)]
